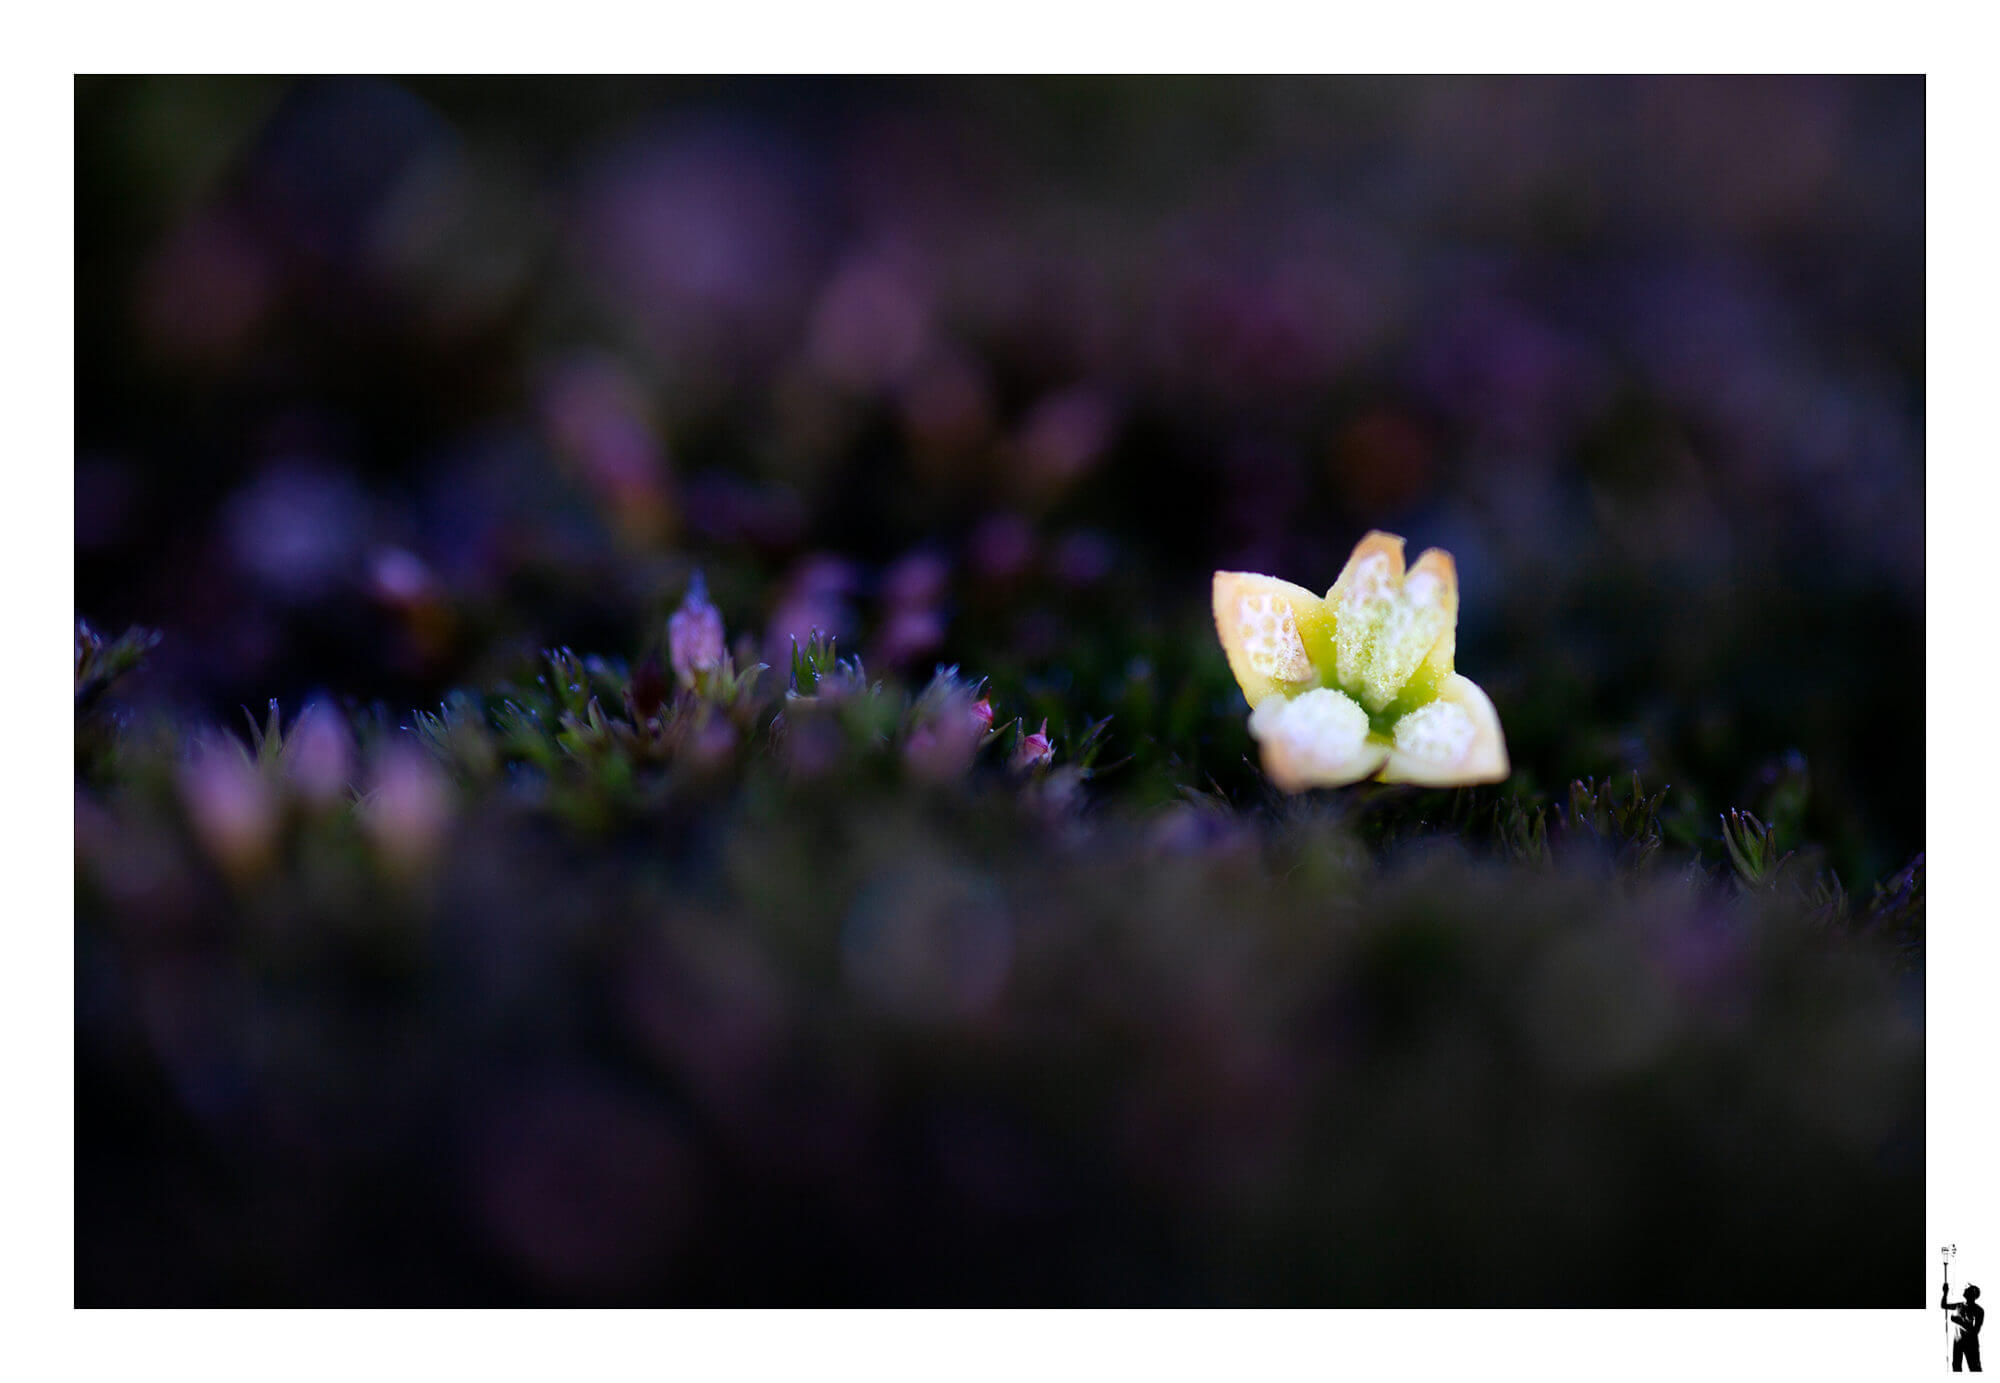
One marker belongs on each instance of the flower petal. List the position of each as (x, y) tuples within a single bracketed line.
[(1265, 626), (1315, 740), (1434, 580), (1359, 598), (1388, 621), (1453, 741), (1423, 614)]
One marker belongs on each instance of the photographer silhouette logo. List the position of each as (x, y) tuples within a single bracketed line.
[(1962, 1319)]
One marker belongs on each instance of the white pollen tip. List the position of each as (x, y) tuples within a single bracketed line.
[(1454, 741), (1439, 733), (1317, 739)]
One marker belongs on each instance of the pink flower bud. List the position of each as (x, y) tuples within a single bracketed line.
[(320, 756), (982, 713), (230, 807), (1034, 751), (694, 634), (409, 809)]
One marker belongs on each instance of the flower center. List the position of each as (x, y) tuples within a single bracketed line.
[(1383, 633)]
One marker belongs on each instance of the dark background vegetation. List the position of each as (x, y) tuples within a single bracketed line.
[(385, 386)]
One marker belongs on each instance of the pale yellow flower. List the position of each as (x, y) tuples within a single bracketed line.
[(1359, 683)]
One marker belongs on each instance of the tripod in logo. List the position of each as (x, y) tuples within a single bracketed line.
[(1947, 1253)]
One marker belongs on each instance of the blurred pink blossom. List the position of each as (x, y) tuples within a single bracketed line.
[(701, 235), (1001, 548), (399, 578), (916, 582), (410, 809), (298, 529), (206, 290), (598, 418), (1083, 558), (320, 755), (871, 324), (815, 599), (1062, 438), (694, 634), (942, 747), (913, 624), (947, 405), (230, 806), (908, 635), (712, 743)]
